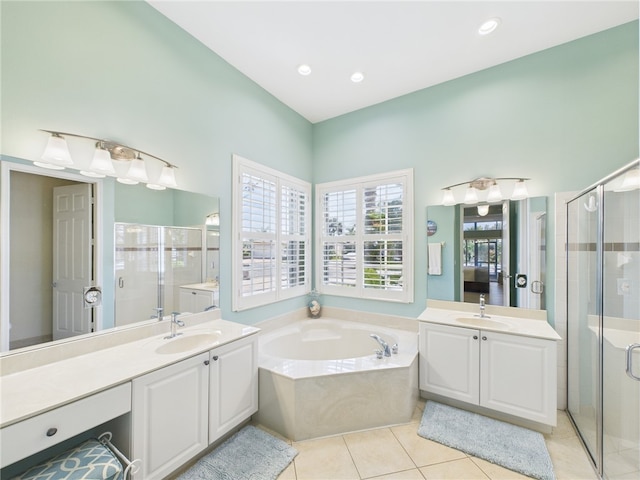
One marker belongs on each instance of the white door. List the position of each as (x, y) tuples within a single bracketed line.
[(72, 259), (449, 361)]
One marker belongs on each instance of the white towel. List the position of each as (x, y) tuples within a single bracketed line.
[(434, 251)]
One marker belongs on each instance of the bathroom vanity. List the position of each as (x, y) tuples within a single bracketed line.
[(169, 398), (198, 297), (502, 363)]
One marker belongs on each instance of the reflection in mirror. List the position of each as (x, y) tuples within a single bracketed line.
[(42, 301), (500, 254)]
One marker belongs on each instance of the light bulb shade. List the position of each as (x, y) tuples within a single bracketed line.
[(101, 162), (137, 170), (494, 194), (630, 180), (447, 198), (471, 196), (168, 177), (483, 210), (57, 152), (519, 191)]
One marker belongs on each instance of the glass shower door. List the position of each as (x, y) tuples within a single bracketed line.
[(621, 329), (583, 318)]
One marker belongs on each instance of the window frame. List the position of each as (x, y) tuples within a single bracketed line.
[(406, 236), (242, 166)]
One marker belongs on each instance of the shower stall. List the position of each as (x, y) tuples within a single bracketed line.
[(603, 315)]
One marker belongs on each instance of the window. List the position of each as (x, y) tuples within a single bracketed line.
[(365, 229), (272, 238)]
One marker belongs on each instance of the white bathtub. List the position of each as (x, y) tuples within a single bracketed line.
[(321, 377)]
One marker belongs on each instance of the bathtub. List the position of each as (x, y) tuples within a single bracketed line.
[(321, 377)]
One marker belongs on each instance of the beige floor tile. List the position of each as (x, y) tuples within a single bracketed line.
[(496, 472), (424, 452), (413, 474), (324, 459), (377, 452), (564, 429), (463, 469), (569, 460), (288, 473)]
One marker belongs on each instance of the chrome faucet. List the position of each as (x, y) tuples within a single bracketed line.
[(383, 344), (158, 314), (174, 324), (482, 306)]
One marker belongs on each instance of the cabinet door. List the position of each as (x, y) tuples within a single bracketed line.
[(518, 376), (233, 395), (449, 361), (195, 301), (169, 417)]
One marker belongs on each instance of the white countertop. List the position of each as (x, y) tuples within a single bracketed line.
[(36, 390), (493, 323), (209, 286)]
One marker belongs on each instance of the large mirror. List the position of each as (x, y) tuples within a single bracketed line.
[(498, 252), (144, 249)]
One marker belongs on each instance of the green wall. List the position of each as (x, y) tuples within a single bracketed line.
[(563, 117), (120, 70)]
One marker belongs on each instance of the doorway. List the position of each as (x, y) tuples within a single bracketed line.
[(29, 302)]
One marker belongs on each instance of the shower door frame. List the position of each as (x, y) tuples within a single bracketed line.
[(597, 457)]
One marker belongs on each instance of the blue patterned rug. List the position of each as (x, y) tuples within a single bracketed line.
[(250, 454), (516, 448)]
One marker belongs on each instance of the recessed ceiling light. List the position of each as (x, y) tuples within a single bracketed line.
[(357, 77), (304, 69), (489, 26)]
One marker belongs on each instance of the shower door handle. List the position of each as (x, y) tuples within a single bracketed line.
[(629, 367)]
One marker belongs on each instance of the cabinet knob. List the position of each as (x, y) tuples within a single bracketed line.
[(52, 431), (475, 337), (484, 338), (206, 362), (215, 358), (193, 293)]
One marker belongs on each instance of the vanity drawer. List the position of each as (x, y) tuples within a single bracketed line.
[(45, 430)]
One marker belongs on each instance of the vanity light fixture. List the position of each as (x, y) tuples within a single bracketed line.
[(494, 194), (213, 220), (489, 26), (483, 210), (56, 155), (127, 164)]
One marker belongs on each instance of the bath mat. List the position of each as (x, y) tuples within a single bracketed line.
[(250, 454), (516, 448)]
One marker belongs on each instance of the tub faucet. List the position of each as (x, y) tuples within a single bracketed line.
[(174, 324), (383, 344)]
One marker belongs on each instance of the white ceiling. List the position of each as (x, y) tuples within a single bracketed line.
[(400, 46)]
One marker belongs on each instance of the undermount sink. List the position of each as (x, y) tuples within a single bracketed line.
[(184, 343), (483, 323)]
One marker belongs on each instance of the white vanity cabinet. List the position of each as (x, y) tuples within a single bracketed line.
[(508, 373), (47, 429), (169, 419), (194, 298), (233, 385), (181, 409)]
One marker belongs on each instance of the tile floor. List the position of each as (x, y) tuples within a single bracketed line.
[(399, 453)]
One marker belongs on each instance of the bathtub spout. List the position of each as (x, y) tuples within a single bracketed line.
[(383, 344)]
